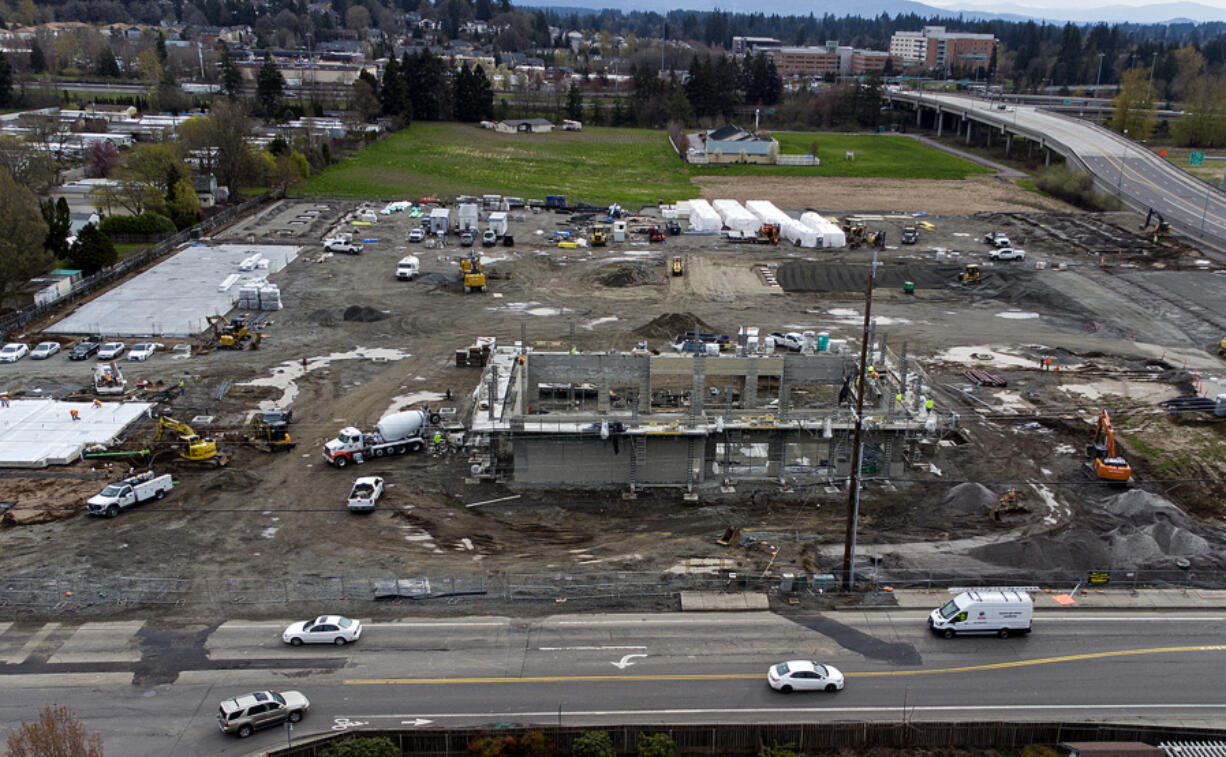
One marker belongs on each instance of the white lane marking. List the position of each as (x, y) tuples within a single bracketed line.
[(793, 710), (585, 649), (416, 722)]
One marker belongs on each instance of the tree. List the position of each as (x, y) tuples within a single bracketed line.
[(269, 86), (169, 96), (59, 225), (56, 734), (574, 103), (6, 81), (148, 177), (231, 76), (183, 204), (357, 18), (657, 745), (38, 60), (22, 251), (1203, 123), (107, 65), (160, 48), (220, 140), (92, 252), (1134, 105), (101, 157), (364, 100), (26, 163), (593, 744), (368, 746), (393, 98)]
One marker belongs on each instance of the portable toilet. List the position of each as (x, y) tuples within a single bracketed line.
[(619, 231), (823, 341)]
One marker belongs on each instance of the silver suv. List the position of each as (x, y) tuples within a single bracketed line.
[(243, 714)]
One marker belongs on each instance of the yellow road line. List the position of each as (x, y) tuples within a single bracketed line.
[(752, 676)]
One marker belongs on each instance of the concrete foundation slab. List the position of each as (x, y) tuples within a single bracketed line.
[(40, 432), (703, 601), (174, 298)]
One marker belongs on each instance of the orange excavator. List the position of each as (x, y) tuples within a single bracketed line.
[(1107, 464)]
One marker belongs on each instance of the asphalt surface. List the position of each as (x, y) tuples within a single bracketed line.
[(154, 690), (1124, 166)]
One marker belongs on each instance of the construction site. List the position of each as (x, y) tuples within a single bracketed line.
[(552, 389)]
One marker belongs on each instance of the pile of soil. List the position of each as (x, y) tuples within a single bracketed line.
[(966, 504), (445, 281), (627, 276), (798, 276), (364, 314), (43, 500), (669, 325)]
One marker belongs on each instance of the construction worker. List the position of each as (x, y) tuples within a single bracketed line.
[(75, 415), (97, 403), (898, 398), (929, 405), (4, 400), (574, 351)]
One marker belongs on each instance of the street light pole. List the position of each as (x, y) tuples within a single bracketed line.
[(1152, 66), (1119, 188), (1204, 212)]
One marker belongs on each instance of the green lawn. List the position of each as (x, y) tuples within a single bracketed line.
[(127, 248), (597, 165)]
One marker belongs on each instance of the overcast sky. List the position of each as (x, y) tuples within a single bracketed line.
[(1023, 8)]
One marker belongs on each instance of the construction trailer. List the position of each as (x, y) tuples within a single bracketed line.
[(440, 220)]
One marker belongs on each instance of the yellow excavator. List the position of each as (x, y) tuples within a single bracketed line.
[(599, 236), (473, 273), (191, 446), (233, 335), (270, 432)]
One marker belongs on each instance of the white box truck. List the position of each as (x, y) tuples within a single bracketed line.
[(408, 268), (132, 490), (469, 216), (1001, 612)]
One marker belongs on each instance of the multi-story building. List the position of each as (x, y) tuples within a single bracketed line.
[(745, 45), (831, 58), (934, 48)]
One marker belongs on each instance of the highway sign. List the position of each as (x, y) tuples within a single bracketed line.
[(1196, 159)]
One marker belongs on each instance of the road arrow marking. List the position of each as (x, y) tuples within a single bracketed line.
[(625, 661), (416, 723)]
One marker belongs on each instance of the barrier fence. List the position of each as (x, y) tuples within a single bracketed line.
[(67, 594), (734, 740), (19, 318)]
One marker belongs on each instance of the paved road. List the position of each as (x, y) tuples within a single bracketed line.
[(1119, 163), (153, 690)]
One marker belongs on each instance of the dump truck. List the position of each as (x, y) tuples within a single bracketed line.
[(122, 494), (395, 434)]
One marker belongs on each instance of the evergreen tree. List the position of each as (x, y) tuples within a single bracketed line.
[(392, 94), (6, 81), (270, 86), (59, 223), (161, 48), (231, 77), (464, 95), (38, 61), (483, 10), (107, 65), (574, 103), (93, 251), (483, 93)]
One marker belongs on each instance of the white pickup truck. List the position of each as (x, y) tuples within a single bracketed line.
[(132, 490), (342, 244), (1007, 253), (365, 494)]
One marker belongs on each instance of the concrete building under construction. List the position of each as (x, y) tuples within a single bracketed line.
[(640, 419)]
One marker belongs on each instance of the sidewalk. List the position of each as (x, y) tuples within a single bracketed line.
[(1118, 598)]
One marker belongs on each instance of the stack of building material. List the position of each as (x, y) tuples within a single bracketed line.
[(270, 297), (249, 296), (736, 217), (703, 217), (831, 233)]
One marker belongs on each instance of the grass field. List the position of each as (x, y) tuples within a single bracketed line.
[(598, 165)]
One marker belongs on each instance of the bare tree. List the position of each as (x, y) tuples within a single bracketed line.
[(22, 256)]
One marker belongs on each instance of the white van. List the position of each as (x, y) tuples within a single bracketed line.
[(1000, 612), (408, 268)]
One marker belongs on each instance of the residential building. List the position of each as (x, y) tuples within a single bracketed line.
[(524, 126), (732, 144), (936, 48)]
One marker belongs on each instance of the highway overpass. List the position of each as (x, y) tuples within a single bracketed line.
[(1119, 165)]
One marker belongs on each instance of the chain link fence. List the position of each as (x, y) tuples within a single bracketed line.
[(128, 591)]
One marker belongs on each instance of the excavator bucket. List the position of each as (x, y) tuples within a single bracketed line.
[(732, 535)]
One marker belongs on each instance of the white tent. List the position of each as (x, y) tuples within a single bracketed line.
[(703, 217), (736, 217), (799, 234), (766, 212), (832, 235)]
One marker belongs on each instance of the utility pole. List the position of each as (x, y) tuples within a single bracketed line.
[(853, 494), (1152, 66)]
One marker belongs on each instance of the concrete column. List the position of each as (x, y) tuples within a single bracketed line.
[(699, 386), (603, 404), (919, 111), (1029, 148), (523, 337), (785, 398), (645, 388), (940, 121), (1008, 143), (989, 137), (968, 132), (1047, 157), (749, 393)]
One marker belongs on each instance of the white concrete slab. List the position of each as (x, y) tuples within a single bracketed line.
[(101, 642), (36, 433), (175, 297)]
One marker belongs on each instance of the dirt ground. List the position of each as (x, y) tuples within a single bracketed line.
[(1120, 333)]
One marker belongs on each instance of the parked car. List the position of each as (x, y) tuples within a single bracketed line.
[(85, 349), (417, 235), (142, 351), (111, 350), (466, 239), (803, 675), (1007, 253), (244, 714), (13, 352), (44, 350), (791, 340), (365, 494), (326, 629)]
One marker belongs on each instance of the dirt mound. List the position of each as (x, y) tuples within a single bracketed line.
[(229, 480), (322, 316), (627, 276), (363, 314), (1138, 507), (965, 504), (669, 325), (797, 276)]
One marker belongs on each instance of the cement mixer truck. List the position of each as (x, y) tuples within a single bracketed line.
[(395, 434)]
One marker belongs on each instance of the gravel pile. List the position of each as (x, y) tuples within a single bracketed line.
[(671, 325)]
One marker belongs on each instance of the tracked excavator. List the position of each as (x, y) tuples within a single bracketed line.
[(191, 446), (1108, 464), (1161, 226)]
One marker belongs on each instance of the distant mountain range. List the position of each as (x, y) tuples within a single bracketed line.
[(1158, 13)]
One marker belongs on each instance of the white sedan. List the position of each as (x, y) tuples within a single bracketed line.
[(110, 350), (142, 351), (326, 629), (45, 350), (803, 675), (11, 353)]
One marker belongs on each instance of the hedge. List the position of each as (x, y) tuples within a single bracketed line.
[(145, 223)]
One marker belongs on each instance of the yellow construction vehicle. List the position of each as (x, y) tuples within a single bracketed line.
[(876, 239), (678, 266), (271, 433), (768, 234), (1008, 505), (191, 446), (855, 234), (1221, 347), (971, 275), (599, 236), (473, 273), (233, 335)]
